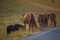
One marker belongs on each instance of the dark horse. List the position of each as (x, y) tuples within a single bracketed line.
[(29, 18), (52, 17), (11, 28), (44, 17), (41, 21)]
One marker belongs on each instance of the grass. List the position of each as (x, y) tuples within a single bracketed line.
[(12, 19), (11, 12)]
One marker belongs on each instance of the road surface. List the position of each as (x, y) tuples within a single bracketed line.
[(53, 34)]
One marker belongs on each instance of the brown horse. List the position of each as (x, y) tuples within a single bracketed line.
[(41, 21), (52, 17), (29, 18), (44, 17)]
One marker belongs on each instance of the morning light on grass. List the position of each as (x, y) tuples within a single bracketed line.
[(11, 13)]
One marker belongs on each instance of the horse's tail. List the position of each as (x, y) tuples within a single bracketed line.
[(33, 19)]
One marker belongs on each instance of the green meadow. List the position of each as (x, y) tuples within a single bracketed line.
[(11, 12)]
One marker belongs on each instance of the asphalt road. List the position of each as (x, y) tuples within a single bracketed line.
[(53, 34)]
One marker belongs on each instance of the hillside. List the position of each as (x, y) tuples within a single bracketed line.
[(11, 12), (20, 6)]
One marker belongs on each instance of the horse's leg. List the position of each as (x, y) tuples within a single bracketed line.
[(32, 26), (35, 25), (42, 24), (46, 22), (29, 26), (54, 21), (24, 26), (51, 21)]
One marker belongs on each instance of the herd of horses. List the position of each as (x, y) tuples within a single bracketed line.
[(43, 18), (29, 18)]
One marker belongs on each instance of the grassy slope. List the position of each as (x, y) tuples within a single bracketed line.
[(11, 13)]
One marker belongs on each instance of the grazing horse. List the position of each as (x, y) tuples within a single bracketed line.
[(41, 21), (44, 17), (15, 27), (29, 18), (52, 17)]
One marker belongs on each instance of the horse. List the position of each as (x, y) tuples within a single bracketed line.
[(29, 18), (14, 27), (41, 21), (44, 18), (52, 17)]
